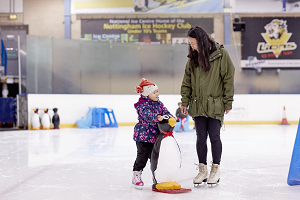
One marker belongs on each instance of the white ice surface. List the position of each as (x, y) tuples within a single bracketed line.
[(79, 164)]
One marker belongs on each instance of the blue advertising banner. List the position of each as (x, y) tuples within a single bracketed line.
[(267, 6), (159, 6)]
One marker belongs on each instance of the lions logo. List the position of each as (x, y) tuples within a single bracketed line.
[(276, 28), (276, 38)]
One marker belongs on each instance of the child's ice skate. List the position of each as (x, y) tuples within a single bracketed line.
[(201, 178), (214, 176), (137, 180)]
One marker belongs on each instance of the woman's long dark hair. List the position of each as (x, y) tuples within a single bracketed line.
[(204, 45)]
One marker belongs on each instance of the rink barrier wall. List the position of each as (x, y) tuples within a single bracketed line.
[(191, 123), (247, 108)]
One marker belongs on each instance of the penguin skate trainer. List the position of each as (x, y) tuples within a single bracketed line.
[(166, 159)]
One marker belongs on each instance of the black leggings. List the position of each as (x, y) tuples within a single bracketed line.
[(208, 126), (144, 150)]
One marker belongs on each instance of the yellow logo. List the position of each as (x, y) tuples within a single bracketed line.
[(276, 38)]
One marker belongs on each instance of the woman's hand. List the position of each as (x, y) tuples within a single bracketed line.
[(227, 111), (160, 118), (183, 110)]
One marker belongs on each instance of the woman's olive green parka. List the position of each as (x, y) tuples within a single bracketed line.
[(209, 93)]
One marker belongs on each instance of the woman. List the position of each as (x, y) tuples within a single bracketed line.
[(208, 89)]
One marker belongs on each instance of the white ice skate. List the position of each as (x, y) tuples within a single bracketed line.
[(202, 175), (137, 182), (214, 176)]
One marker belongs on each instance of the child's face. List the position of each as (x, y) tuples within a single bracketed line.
[(154, 95)]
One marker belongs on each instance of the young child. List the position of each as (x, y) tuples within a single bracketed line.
[(181, 116), (150, 111)]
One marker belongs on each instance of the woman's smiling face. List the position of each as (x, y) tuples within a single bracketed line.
[(193, 43)]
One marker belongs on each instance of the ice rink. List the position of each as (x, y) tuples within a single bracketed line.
[(77, 164)]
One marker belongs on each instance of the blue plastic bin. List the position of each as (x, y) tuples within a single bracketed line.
[(99, 118), (7, 110)]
